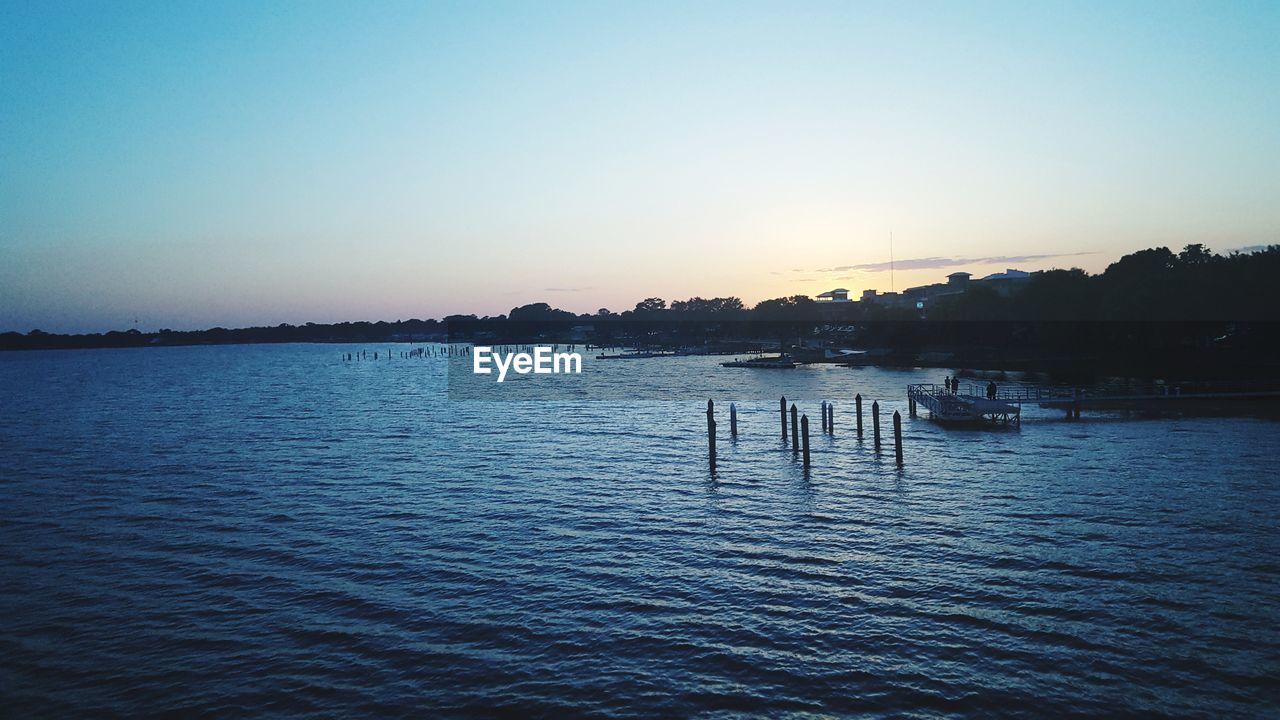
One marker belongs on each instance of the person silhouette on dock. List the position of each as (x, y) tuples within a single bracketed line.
[(991, 390), (946, 383)]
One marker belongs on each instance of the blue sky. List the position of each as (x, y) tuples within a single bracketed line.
[(197, 164)]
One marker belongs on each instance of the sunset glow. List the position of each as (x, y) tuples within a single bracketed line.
[(189, 165)]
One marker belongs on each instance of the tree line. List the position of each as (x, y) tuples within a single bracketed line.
[(1156, 284), (1194, 288)]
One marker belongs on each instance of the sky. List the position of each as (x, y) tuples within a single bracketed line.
[(194, 164)]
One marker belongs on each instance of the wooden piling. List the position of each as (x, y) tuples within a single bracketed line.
[(831, 418), (733, 421), (804, 428), (711, 435), (875, 422), (911, 406), (795, 429), (897, 437), (782, 411), (857, 401), (823, 419)]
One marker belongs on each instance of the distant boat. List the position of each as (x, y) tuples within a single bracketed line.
[(634, 356), (827, 355), (852, 358), (782, 362)]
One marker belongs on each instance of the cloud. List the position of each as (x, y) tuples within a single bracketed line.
[(566, 289), (1249, 249), (935, 263)]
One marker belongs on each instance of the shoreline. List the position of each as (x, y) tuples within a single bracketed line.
[(985, 363)]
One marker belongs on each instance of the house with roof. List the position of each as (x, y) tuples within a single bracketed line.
[(885, 299), (1007, 282)]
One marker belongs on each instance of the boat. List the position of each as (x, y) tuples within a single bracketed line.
[(807, 354), (853, 358), (634, 356), (781, 362)]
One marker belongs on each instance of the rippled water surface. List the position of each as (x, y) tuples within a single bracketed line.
[(269, 530)]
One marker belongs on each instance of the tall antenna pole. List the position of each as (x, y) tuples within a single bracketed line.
[(891, 288)]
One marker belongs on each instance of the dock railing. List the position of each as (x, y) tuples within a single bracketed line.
[(1020, 393), (1053, 394)]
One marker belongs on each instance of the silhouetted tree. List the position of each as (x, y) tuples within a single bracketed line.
[(702, 306), (651, 305), (1196, 254), (539, 313)]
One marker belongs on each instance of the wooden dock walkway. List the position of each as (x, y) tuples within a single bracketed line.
[(961, 407), (968, 403)]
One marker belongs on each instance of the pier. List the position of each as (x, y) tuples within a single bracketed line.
[(968, 401), (961, 407)]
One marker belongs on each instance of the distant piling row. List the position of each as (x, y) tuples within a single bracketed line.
[(435, 351), (427, 351), (795, 429)]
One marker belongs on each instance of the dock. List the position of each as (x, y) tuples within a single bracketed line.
[(969, 402), (962, 407)]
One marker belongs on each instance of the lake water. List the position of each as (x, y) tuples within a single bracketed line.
[(267, 530)]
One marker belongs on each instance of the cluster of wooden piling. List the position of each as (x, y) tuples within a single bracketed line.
[(799, 427)]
